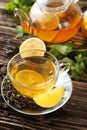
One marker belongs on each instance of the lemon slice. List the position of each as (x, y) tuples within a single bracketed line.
[(84, 26), (49, 99), (84, 23), (29, 77), (32, 43), (48, 21)]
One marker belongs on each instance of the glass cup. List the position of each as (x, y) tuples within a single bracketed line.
[(33, 72)]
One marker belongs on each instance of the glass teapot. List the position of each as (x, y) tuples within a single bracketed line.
[(54, 21)]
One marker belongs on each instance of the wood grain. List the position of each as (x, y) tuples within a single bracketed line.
[(72, 116)]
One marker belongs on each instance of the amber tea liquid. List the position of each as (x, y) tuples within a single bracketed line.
[(54, 28), (32, 74)]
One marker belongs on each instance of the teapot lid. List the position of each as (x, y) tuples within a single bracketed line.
[(54, 5)]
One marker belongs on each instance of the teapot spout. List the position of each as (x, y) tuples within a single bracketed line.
[(24, 20)]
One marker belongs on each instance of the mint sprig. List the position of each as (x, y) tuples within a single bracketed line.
[(20, 31), (22, 4), (75, 56)]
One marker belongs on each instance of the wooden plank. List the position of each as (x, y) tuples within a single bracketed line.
[(72, 116)]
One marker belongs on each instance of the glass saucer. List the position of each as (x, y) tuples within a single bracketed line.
[(21, 103)]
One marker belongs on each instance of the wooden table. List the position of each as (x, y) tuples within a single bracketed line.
[(72, 116)]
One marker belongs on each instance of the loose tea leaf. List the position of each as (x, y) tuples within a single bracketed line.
[(18, 101)]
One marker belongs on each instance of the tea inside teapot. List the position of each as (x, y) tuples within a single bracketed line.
[(53, 21)]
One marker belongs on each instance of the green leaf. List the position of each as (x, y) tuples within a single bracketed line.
[(68, 60), (10, 7), (79, 58), (20, 31), (63, 49), (19, 35), (82, 65), (22, 4), (55, 52), (75, 74), (19, 28), (16, 1), (27, 2), (86, 60)]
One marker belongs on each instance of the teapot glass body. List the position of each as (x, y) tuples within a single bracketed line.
[(54, 21)]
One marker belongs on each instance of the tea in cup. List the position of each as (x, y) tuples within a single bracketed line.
[(33, 72)]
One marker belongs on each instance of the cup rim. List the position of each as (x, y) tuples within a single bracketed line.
[(40, 84)]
